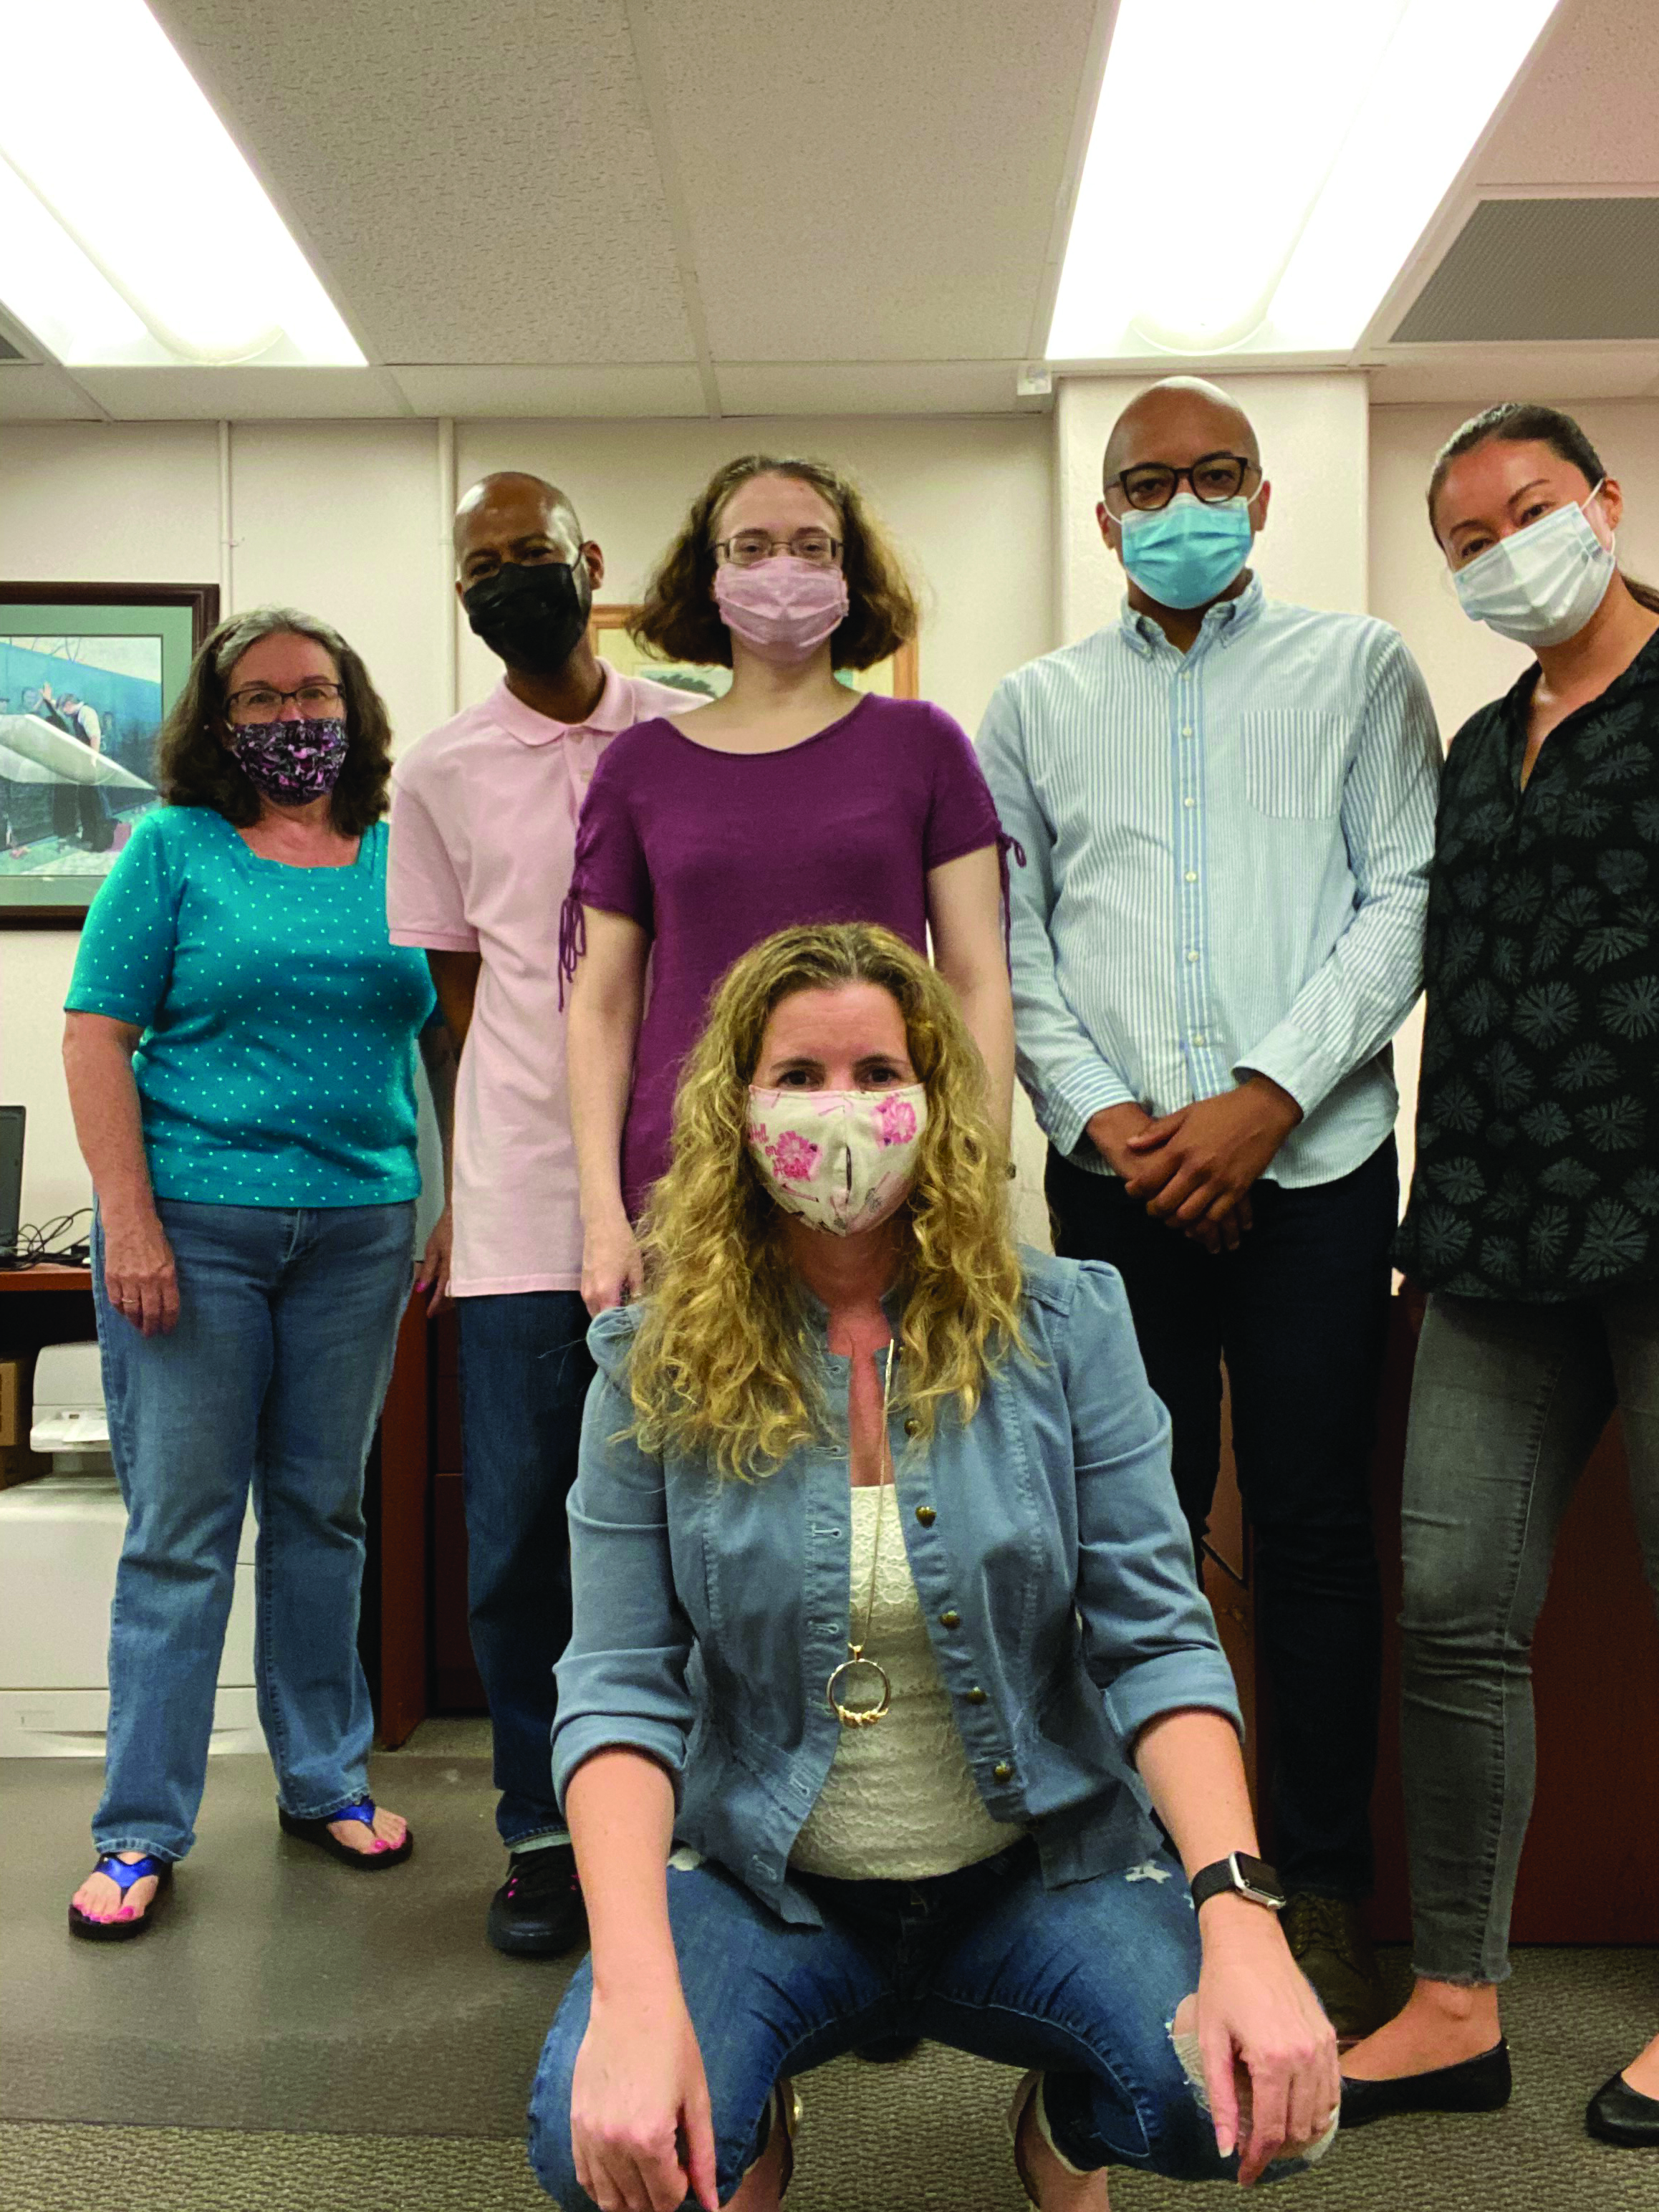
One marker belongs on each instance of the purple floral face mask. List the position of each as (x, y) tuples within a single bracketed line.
[(292, 763), (841, 1160)]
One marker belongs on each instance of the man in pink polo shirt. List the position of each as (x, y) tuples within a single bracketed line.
[(484, 819)]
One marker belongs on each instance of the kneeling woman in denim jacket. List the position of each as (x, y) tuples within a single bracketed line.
[(885, 1617), (239, 1051)]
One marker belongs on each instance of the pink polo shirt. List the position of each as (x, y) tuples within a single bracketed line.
[(484, 826)]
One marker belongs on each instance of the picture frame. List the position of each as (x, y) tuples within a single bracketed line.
[(88, 675), (894, 677)]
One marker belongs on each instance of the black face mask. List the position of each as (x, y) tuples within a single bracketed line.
[(531, 615)]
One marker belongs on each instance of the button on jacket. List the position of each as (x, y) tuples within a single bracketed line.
[(1227, 856), (1054, 1567)]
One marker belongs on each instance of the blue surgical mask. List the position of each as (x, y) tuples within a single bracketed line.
[(1186, 554), (1541, 585)]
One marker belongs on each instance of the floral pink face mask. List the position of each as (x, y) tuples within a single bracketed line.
[(840, 1160)]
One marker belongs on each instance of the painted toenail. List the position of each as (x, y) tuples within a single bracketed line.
[(127, 1913)]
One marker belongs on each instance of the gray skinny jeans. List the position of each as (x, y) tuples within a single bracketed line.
[(1507, 1404)]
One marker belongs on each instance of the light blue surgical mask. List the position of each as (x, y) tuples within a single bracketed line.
[(1186, 554), (1541, 585)]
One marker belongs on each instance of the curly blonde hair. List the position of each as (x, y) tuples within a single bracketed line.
[(722, 1364)]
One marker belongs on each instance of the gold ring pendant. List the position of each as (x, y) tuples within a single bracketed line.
[(865, 1673)]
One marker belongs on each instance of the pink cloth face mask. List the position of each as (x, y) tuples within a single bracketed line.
[(840, 1160), (782, 609)]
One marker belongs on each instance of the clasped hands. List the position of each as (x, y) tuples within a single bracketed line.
[(1193, 1169)]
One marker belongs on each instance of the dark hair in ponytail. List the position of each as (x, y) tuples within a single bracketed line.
[(1520, 422)]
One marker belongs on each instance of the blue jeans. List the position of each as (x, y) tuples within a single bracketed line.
[(1507, 1402), (1300, 1315), (525, 1373), (288, 1322), (1082, 1981)]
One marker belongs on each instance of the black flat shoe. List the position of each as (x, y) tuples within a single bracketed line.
[(1478, 2085), (1619, 2114), (537, 1913), (317, 1831)]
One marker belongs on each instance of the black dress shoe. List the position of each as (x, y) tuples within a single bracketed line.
[(1478, 2085), (887, 2050), (1619, 2114), (537, 1912)]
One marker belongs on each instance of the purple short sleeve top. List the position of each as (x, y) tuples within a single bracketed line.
[(710, 852)]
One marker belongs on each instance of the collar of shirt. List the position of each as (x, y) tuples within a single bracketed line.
[(1226, 620), (613, 710)]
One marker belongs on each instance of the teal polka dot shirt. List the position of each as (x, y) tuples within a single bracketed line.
[(276, 1066)]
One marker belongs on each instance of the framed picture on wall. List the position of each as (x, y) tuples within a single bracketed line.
[(894, 677), (88, 673)]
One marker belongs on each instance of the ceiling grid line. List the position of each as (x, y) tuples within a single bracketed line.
[(648, 62)]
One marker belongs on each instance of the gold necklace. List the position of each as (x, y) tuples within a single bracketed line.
[(855, 1669)]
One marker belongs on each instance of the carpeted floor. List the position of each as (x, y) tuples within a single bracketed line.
[(310, 2039)]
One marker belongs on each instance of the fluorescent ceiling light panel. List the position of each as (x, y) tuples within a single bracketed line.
[(107, 131), (1255, 184)]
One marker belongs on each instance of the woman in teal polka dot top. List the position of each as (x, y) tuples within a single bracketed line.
[(239, 1050)]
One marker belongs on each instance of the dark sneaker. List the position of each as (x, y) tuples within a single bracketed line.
[(1327, 1940), (537, 1913)]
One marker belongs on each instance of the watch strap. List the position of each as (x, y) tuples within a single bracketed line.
[(1227, 1874)]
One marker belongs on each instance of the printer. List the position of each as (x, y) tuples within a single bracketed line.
[(60, 1539)]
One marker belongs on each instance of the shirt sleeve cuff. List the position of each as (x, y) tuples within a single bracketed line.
[(597, 1732), (435, 939), (1172, 1682), (1295, 1062), (1068, 1104)]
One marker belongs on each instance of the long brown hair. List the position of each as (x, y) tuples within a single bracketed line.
[(1523, 423), (679, 619), (722, 1367), (195, 768)]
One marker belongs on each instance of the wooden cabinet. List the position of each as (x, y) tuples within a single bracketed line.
[(1590, 1872)]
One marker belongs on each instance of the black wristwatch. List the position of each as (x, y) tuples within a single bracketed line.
[(1245, 1877)]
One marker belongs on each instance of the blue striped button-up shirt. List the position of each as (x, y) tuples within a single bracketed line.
[(1226, 869)]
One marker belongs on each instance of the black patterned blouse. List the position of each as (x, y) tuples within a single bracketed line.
[(1537, 1172)]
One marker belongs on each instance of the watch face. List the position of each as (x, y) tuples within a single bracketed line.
[(1257, 1874)]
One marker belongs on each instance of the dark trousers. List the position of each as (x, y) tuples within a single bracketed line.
[(1299, 1313), (525, 1373)]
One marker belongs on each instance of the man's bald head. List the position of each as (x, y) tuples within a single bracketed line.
[(1178, 421), (511, 510)]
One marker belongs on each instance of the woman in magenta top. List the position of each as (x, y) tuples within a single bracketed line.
[(791, 799)]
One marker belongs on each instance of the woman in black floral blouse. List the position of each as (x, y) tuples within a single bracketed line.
[(1534, 1220)]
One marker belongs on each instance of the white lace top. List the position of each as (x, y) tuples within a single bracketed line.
[(900, 1803)]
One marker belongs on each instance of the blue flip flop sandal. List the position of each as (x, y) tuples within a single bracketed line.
[(124, 1875), (316, 1832)]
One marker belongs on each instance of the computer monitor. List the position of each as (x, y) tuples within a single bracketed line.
[(11, 1175)]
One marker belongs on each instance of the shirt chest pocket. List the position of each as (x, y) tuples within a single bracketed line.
[(1294, 762)]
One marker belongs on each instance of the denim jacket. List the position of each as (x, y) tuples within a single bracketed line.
[(1054, 1566)]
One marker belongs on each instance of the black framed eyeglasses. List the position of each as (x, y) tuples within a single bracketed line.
[(1213, 477), (746, 547)]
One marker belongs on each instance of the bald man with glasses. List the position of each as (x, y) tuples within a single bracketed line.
[(1227, 806)]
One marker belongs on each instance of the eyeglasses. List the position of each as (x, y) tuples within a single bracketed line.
[(749, 546), (1214, 477), (258, 700)]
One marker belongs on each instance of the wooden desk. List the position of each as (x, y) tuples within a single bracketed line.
[(54, 1306)]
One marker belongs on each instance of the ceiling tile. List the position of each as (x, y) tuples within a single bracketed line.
[(865, 181), (630, 389), (1583, 112), (475, 178)]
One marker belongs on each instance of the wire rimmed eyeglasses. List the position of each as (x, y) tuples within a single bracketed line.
[(254, 700), (744, 547)]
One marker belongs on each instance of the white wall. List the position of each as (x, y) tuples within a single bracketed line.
[(350, 520), (1466, 663)]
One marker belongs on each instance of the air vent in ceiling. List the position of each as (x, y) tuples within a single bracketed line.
[(1544, 269)]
